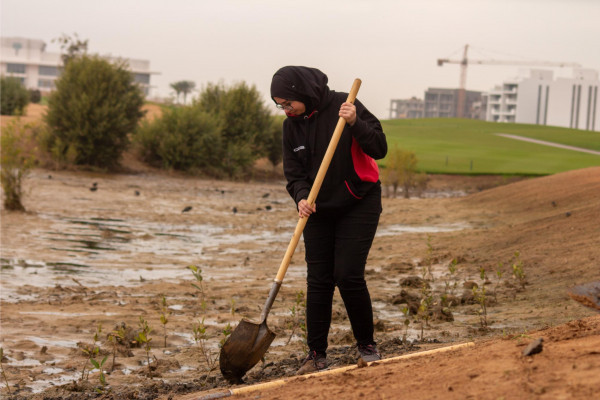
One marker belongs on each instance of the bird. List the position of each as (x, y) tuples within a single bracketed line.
[(234, 210), (186, 209), (94, 187)]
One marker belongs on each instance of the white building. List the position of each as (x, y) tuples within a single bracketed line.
[(28, 60), (535, 97)]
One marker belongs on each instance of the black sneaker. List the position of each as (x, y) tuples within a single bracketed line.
[(368, 352), (312, 363)]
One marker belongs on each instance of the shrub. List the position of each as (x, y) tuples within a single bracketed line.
[(245, 120), (35, 96), (95, 106), (401, 170), (13, 96), (184, 138), (15, 163)]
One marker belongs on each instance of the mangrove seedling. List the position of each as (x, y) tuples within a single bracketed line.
[(91, 353), (518, 271), (451, 282), (225, 333), (406, 312), (164, 317), (3, 372), (298, 320), (232, 306), (479, 294), (197, 272), (423, 313), (201, 339), (144, 339), (429, 257), (115, 337), (499, 275)]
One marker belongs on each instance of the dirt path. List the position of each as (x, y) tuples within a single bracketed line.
[(80, 258)]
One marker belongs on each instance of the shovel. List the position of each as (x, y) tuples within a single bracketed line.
[(249, 342)]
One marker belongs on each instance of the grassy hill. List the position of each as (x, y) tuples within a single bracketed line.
[(451, 145)]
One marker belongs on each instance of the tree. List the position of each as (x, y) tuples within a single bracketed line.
[(185, 87), (16, 161), (71, 47), (95, 106), (176, 86), (274, 146), (13, 96)]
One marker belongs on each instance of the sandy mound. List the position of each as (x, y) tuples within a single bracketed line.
[(566, 368), (568, 191)]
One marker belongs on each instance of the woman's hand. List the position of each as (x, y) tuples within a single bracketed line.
[(348, 112), (305, 209)]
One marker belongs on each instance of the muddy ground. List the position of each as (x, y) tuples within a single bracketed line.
[(108, 249)]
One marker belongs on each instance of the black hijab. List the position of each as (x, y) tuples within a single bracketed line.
[(304, 84)]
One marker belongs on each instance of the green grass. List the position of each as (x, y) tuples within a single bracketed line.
[(462, 146)]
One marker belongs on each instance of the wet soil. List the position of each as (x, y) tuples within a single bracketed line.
[(108, 249)]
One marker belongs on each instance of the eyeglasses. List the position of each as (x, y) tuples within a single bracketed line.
[(287, 107)]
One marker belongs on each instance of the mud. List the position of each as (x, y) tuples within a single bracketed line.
[(81, 258)]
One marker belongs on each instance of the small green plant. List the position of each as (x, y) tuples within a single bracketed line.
[(298, 317), (92, 352), (4, 372), (115, 337), (164, 317), (197, 272), (518, 270), (479, 294), (201, 339), (144, 339)]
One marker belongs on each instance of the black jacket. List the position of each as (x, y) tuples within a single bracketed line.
[(353, 171)]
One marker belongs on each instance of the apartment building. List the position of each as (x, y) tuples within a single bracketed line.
[(407, 108), (28, 60), (443, 103), (535, 97)]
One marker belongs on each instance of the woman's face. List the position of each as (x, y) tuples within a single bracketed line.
[(291, 106)]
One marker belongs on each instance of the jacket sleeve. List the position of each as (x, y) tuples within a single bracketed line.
[(298, 181), (368, 133)]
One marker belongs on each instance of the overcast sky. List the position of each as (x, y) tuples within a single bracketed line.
[(391, 45)]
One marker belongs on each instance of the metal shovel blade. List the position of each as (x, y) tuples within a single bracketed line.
[(246, 345)]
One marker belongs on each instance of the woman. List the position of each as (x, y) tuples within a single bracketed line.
[(342, 223)]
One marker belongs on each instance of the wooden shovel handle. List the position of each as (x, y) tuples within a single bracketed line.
[(314, 191)]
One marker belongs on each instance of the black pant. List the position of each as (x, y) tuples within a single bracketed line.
[(337, 247)]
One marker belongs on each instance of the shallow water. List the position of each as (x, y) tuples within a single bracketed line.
[(100, 252)]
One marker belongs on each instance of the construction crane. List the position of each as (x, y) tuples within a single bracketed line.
[(466, 61)]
